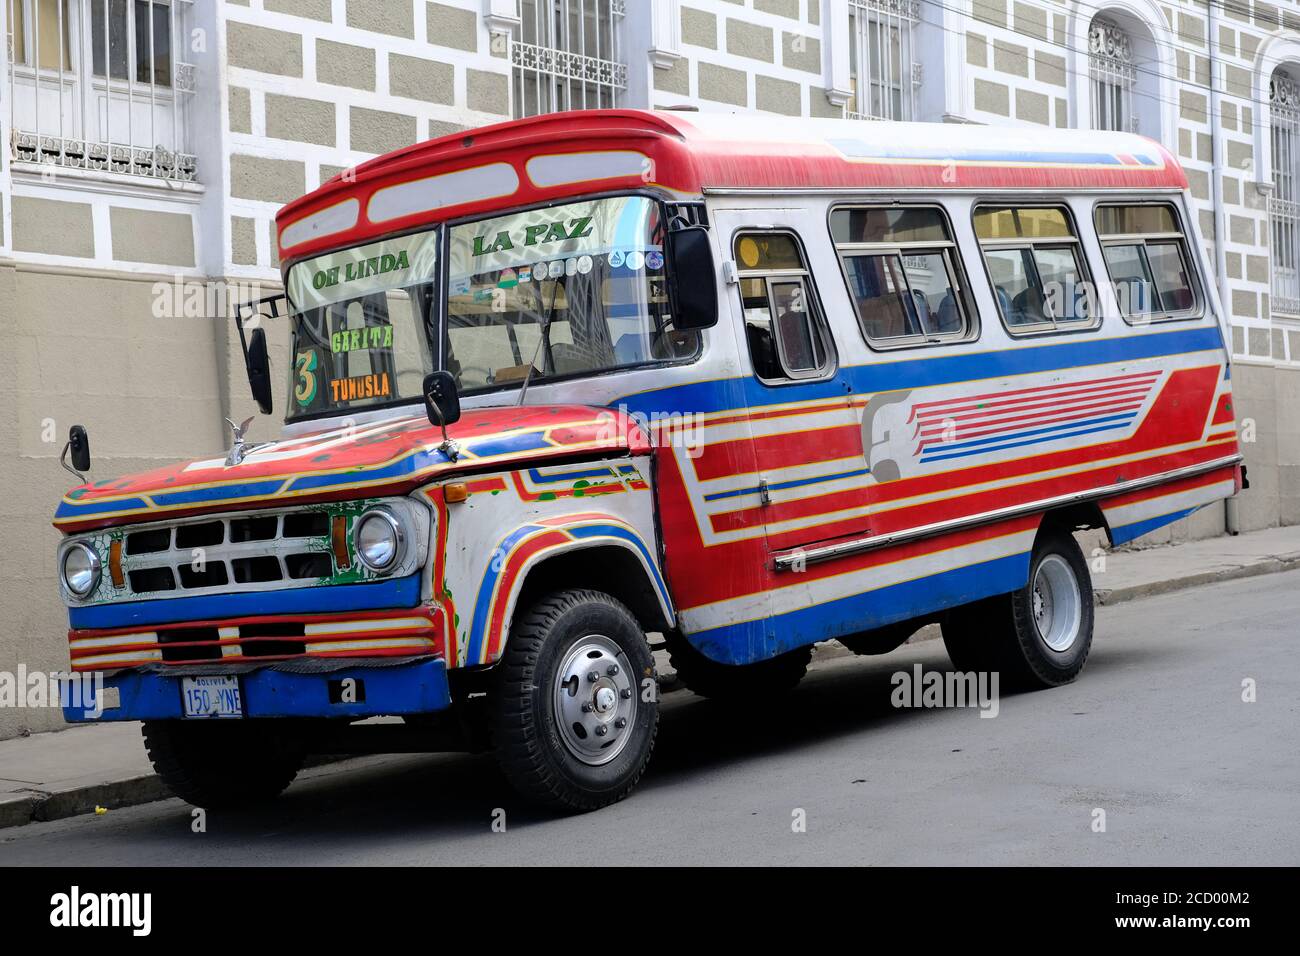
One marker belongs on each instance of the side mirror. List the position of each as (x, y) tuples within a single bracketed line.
[(79, 448), (259, 370), (693, 278), (441, 399)]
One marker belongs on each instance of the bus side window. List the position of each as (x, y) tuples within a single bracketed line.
[(783, 328), (903, 274), (1146, 256), (1036, 266)]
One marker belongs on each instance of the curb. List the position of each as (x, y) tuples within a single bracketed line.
[(1269, 565), (19, 809), (41, 807)]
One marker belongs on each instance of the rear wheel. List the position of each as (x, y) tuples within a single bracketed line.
[(217, 763), (574, 720), (738, 682), (1038, 636)]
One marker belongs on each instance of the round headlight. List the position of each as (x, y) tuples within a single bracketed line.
[(80, 569), (378, 539)]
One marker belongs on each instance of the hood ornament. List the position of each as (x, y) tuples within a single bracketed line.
[(238, 447)]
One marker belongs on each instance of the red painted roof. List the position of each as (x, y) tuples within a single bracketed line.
[(691, 153)]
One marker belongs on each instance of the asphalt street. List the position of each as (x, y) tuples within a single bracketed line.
[(1155, 734)]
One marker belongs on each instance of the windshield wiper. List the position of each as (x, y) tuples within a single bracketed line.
[(544, 338)]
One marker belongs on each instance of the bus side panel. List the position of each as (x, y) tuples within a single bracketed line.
[(1046, 420)]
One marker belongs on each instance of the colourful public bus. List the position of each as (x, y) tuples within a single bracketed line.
[(562, 383)]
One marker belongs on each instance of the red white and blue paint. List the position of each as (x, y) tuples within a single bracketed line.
[(935, 466)]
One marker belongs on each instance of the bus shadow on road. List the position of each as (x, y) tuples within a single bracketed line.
[(451, 796)]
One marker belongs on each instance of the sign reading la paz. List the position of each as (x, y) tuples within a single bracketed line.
[(360, 269), (578, 228)]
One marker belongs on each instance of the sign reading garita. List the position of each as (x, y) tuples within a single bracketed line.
[(360, 269)]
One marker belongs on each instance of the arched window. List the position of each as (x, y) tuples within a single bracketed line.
[(1284, 203), (1113, 76)]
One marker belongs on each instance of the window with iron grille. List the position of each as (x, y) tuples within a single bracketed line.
[(568, 56), (883, 70), (97, 84), (1284, 203), (1113, 76)]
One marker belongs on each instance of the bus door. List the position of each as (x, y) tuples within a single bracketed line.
[(811, 480)]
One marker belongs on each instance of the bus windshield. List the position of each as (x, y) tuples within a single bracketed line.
[(359, 325), (567, 290)]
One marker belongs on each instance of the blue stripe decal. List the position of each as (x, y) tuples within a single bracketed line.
[(398, 592), (527, 441), (86, 510), (541, 479), (482, 603), (616, 531), (1127, 532), (1031, 441), (1011, 439), (247, 489), (877, 149), (888, 375), (758, 640)]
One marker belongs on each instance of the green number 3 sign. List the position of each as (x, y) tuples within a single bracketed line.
[(305, 389)]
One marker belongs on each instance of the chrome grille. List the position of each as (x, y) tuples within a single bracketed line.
[(261, 551)]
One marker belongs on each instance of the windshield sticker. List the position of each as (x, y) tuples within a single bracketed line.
[(366, 270), (578, 227), (361, 387), (305, 388), (548, 244), (358, 340)]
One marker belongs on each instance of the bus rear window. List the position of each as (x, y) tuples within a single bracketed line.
[(1147, 258)]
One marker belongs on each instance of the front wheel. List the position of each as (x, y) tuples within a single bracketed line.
[(215, 763), (1038, 636), (576, 702)]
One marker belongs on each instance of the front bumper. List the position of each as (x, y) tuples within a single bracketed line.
[(284, 690), (288, 665)]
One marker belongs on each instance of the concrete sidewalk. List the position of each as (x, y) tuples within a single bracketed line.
[(55, 775)]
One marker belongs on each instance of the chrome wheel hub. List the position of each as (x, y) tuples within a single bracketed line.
[(1056, 603), (595, 700)]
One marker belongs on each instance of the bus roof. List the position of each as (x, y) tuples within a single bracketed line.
[(685, 154)]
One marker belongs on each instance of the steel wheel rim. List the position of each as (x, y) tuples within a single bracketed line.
[(1057, 603), (595, 700)]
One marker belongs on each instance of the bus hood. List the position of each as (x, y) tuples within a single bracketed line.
[(378, 458)]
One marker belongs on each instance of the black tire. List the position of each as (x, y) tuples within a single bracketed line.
[(534, 745), (1004, 633), (737, 682), (218, 764)]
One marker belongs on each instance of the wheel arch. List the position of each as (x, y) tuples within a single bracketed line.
[(1081, 516), (618, 570), (597, 552)]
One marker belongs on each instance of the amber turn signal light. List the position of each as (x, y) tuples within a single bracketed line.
[(456, 492), (339, 542), (115, 564)]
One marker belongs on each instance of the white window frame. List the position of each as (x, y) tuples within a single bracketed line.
[(872, 65), (83, 133), (1284, 200), (553, 69)]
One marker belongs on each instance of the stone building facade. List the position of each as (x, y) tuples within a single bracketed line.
[(149, 143)]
